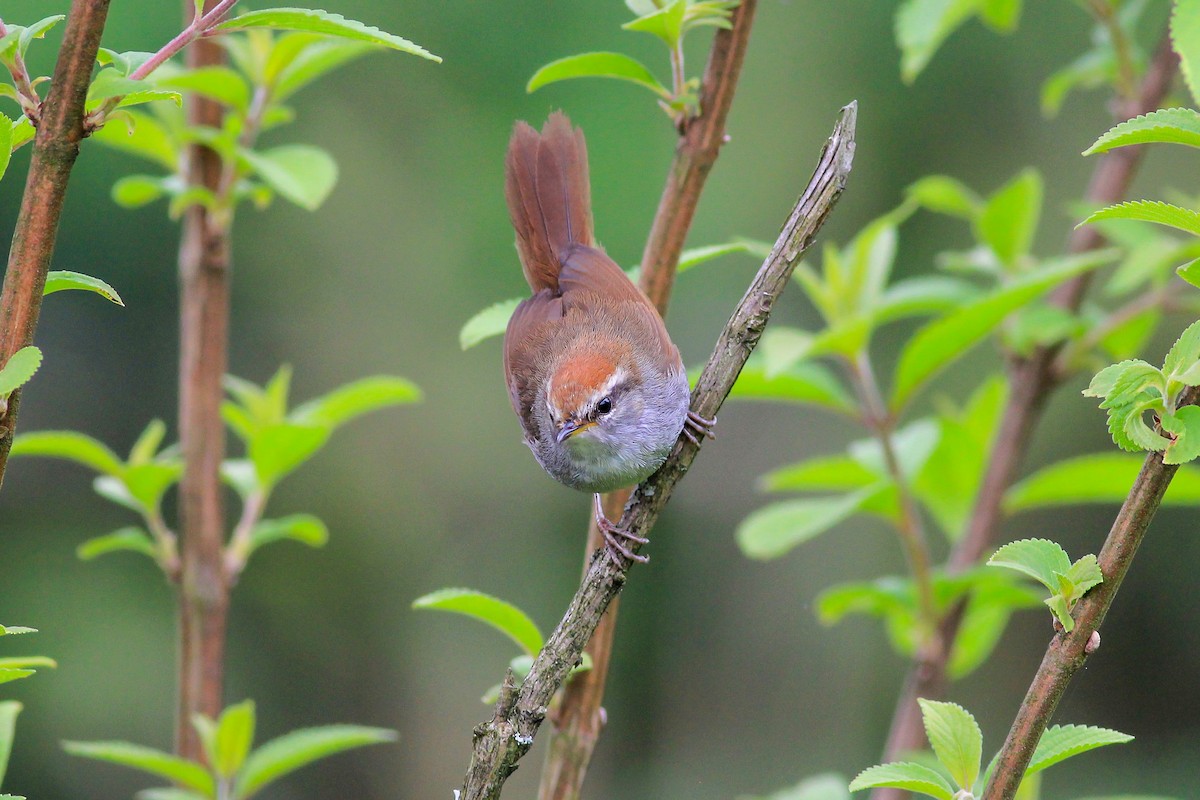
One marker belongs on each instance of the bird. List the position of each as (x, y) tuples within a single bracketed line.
[(595, 380)]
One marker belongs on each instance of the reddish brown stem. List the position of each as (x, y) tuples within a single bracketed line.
[(55, 149), (1068, 651), (1031, 381), (579, 718), (204, 277)]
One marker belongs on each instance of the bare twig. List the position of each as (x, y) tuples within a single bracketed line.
[(579, 718), (1031, 381), (55, 148), (204, 276), (500, 742), (1068, 651)]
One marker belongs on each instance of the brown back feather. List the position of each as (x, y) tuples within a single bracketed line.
[(549, 197)]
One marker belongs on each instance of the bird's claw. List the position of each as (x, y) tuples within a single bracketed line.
[(613, 533), (696, 426)]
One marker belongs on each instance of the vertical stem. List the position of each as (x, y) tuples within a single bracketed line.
[(204, 275), (60, 130), (579, 718)]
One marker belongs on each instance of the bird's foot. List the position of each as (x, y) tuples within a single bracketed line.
[(615, 538), (696, 427)]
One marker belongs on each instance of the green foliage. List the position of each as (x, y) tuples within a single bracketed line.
[(61, 280), (957, 745), (6, 142), (1047, 563), (1185, 40), (1166, 125), (923, 25), (1094, 478), (1156, 211), (827, 786), (1130, 389), (504, 617), (598, 65), (17, 371), (9, 709), (805, 382), (326, 24), (774, 530), (233, 771)]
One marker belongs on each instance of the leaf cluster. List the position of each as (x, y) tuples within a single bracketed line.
[(1046, 562), (231, 769)]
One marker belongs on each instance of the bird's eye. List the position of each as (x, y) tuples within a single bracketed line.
[(604, 406)]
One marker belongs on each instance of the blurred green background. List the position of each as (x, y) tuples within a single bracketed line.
[(723, 682)]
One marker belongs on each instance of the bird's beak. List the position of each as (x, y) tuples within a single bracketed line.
[(572, 427)]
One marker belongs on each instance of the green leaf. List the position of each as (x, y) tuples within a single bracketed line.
[(1060, 742), (1184, 354), (1090, 70), (597, 65), (8, 674), (492, 321), (135, 191), (62, 280), (323, 22), (773, 530), (130, 538), (9, 709), (922, 26), (781, 347), (988, 609), (147, 483), (303, 174), (69, 445), (278, 449), (309, 58), (666, 22), (235, 734), (1000, 15), (19, 369), (806, 382), (1040, 559), (1010, 217), (124, 63), (22, 131), (219, 83), (1151, 211), (303, 528), (1083, 575), (186, 773), (147, 444), (1185, 39), (913, 444), (14, 630), (294, 750), (945, 195), (944, 340), (140, 135), (110, 83), (955, 738), (904, 775), (1167, 125), (1097, 478), (922, 296), (6, 143), (695, 256), (1184, 424), (352, 400), (504, 617), (37, 31), (827, 473)]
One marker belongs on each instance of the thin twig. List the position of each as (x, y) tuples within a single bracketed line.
[(1068, 651), (204, 276), (500, 742), (579, 718), (1031, 381), (55, 149)]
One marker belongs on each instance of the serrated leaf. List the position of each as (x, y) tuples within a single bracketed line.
[(1040, 559), (1060, 742), (904, 775), (1184, 354), (301, 173), (186, 773), (1009, 218), (491, 321), (773, 530), (922, 26), (1184, 424), (294, 750), (1083, 575), (955, 738), (1166, 125), (19, 369), (303, 528), (597, 65), (944, 340), (9, 709), (501, 615), (1185, 39), (234, 735), (15, 630), (1096, 478), (129, 538), (352, 400), (1151, 211), (326, 23), (62, 280), (69, 445)]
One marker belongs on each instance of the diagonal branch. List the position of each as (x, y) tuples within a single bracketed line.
[(500, 742), (60, 130), (1032, 380), (1068, 651), (578, 720)]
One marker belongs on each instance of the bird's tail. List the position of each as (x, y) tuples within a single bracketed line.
[(549, 197)]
